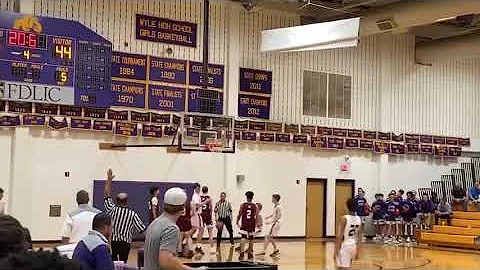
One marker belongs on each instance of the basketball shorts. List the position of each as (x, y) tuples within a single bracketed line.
[(196, 221), (378, 221), (274, 229), (184, 224), (399, 220), (247, 232), (207, 221), (346, 255)]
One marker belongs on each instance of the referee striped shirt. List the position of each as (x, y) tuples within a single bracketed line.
[(223, 209), (125, 222)]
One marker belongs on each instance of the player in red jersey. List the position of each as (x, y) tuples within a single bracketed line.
[(207, 216), (248, 217)]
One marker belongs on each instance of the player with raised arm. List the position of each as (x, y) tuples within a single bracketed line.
[(349, 238), (248, 217), (275, 219)]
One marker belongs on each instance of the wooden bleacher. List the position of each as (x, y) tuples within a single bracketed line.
[(464, 232)]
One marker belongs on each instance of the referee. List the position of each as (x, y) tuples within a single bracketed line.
[(223, 215), (125, 221)]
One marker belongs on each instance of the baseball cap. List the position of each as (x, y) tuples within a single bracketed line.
[(175, 196)]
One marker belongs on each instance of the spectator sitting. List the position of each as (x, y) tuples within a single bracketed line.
[(426, 208), (39, 260), (93, 249), (444, 211), (12, 236), (474, 195), (459, 199)]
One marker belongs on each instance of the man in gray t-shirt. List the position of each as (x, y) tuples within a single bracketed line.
[(162, 235)]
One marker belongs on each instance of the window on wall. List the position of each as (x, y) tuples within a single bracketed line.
[(327, 95)]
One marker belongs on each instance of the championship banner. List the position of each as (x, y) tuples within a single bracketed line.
[(451, 141), (439, 140), (354, 133), (220, 122), (169, 131), (117, 115), (166, 98), (381, 147), (43, 108), (306, 129), (397, 138), (129, 66), (102, 125), (291, 128), (253, 106), (412, 139), (163, 30), (351, 143), (384, 136), (241, 125), (325, 131), (95, 113), (267, 137), (57, 123), (34, 120), (275, 127), (152, 131), (464, 142), (215, 74), (198, 121), (249, 136), (255, 81), (335, 143), (339, 132), (440, 150), (20, 107), (282, 138), (318, 141), (168, 70), (3, 105), (126, 129), (426, 139), (300, 139), (413, 148), (426, 149), (454, 151), (80, 123), (70, 111), (128, 94), (192, 132), (236, 134), (366, 144), (256, 126), (140, 117), (9, 121), (398, 148), (371, 135), (160, 118)]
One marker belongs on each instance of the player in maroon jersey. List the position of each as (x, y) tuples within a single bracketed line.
[(248, 217), (207, 216)]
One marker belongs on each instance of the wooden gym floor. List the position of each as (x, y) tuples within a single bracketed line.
[(319, 255)]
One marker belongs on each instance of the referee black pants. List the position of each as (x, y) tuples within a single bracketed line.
[(120, 251), (228, 223)]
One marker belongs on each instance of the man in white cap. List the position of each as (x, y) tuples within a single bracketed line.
[(162, 235)]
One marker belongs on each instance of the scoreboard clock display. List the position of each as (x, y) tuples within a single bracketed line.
[(52, 60)]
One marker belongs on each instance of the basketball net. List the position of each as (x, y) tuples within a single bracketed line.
[(213, 146)]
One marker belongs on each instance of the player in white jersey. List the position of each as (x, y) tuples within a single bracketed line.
[(274, 221), (349, 238)]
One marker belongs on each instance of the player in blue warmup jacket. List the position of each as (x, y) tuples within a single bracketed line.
[(379, 213), (391, 217)]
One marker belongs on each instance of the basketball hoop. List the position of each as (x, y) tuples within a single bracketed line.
[(213, 145)]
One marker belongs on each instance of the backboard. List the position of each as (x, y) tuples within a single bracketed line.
[(206, 133)]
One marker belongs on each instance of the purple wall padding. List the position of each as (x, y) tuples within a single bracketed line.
[(138, 193)]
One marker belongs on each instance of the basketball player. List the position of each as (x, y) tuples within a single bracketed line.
[(153, 210), (349, 237), (378, 209), (259, 221), (361, 206), (276, 218), (196, 217), (408, 214), (248, 217), (392, 214), (185, 238), (207, 221)]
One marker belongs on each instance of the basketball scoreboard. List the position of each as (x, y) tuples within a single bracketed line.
[(52, 60)]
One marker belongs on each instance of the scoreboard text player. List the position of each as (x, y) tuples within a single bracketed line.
[(54, 61)]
